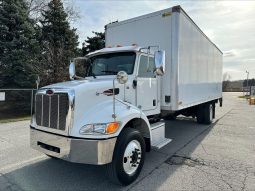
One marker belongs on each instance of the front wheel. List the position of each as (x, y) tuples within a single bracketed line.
[(128, 157)]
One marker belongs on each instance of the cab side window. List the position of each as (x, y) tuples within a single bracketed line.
[(146, 69)]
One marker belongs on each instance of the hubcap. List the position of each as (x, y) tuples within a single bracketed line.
[(132, 157)]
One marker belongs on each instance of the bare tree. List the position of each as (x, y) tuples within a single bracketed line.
[(226, 81), (36, 7), (72, 11), (54, 67)]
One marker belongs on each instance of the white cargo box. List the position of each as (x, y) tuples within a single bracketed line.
[(193, 63)]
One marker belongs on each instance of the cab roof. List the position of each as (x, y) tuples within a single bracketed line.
[(116, 49)]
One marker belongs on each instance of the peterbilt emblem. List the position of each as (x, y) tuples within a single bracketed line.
[(49, 92), (109, 92)]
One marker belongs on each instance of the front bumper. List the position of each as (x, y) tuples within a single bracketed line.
[(75, 150)]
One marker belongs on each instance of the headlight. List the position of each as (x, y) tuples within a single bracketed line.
[(101, 128)]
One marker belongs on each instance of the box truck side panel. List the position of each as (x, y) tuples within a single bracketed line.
[(193, 63), (199, 66), (147, 30)]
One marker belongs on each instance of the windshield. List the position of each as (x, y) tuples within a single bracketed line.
[(112, 63)]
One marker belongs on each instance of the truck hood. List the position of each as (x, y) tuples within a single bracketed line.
[(74, 84), (88, 95)]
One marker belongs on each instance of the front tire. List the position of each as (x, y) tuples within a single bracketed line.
[(128, 157)]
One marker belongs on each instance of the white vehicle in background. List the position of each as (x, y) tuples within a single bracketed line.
[(112, 115)]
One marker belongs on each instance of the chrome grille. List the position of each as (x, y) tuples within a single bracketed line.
[(51, 110)]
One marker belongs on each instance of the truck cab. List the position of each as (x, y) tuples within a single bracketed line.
[(140, 68), (110, 115)]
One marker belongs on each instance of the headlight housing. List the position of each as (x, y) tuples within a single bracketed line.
[(100, 128)]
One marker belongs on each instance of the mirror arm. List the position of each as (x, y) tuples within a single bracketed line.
[(113, 100)]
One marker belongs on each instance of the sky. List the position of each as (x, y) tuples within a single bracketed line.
[(229, 24)]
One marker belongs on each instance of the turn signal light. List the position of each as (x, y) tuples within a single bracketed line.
[(112, 127)]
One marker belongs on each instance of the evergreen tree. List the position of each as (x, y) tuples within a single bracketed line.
[(251, 82), (59, 43), (93, 43), (18, 45)]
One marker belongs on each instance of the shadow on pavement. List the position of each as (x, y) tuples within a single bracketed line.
[(184, 131), (54, 174)]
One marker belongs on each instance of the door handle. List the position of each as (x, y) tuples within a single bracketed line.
[(154, 102), (134, 83)]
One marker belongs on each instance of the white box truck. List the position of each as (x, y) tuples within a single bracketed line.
[(155, 66)]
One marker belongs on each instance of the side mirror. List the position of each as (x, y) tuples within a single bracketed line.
[(72, 71), (122, 77), (160, 59)]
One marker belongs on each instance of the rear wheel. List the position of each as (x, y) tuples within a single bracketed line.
[(128, 157), (208, 113), (205, 113)]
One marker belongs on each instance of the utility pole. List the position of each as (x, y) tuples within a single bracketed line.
[(247, 83)]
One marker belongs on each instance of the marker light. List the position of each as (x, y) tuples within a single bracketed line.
[(112, 127)]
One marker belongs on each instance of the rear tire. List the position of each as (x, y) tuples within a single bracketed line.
[(205, 113), (200, 114), (128, 157), (208, 118)]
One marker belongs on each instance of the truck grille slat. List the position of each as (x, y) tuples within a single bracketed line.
[(54, 112), (45, 121), (38, 109), (51, 110), (63, 107)]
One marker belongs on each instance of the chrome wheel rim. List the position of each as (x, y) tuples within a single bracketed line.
[(132, 157)]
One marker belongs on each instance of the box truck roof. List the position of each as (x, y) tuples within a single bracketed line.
[(164, 13)]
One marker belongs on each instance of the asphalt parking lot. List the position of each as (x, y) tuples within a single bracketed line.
[(220, 156)]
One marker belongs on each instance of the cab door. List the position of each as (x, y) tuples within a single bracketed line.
[(147, 88)]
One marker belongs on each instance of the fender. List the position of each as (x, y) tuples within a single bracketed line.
[(102, 113)]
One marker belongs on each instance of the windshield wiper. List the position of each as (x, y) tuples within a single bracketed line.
[(110, 71)]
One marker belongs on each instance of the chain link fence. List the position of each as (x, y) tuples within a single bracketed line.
[(16, 103)]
